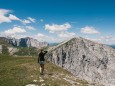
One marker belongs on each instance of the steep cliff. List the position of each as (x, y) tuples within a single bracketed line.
[(23, 42), (86, 59), (30, 42)]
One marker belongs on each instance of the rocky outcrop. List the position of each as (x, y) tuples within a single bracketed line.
[(14, 42), (8, 50), (88, 60), (30, 42), (24, 42), (12, 50), (0, 49)]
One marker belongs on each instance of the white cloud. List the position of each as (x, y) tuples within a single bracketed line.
[(89, 30), (5, 17), (42, 37), (113, 39), (60, 31), (28, 20), (14, 30), (98, 40), (53, 39), (13, 17), (66, 34), (56, 27), (4, 11), (30, 27), (31, 19), (51, 31), (108, 39), (25, 21), (17, 36), (50, 39)]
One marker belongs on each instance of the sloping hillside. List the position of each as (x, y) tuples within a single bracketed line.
[(86, 59), (3, 41), (24, 71), (25, 51)]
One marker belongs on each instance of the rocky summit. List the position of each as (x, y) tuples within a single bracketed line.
[(86, 59)]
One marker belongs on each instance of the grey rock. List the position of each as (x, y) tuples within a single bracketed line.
[(85, 59), (0, 49), (14, 42), (12, 50), (24, 42), (30, 42)]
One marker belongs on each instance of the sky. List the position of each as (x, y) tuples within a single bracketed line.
[(54, 21)]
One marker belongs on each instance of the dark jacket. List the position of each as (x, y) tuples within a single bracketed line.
[(41, 56)]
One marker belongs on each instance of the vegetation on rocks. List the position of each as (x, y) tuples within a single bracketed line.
[(5, 50), (25, 51)]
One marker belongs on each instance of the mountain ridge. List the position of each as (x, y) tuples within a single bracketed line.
[(22, 46), (24, 42), (86, 59)]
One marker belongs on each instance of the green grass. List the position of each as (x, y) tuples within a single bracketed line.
[(25, 51), (5, 50), (20, 71)]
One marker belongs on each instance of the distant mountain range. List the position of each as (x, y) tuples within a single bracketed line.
[(53, 44), (22, 42), (24, 46), (113, 46)]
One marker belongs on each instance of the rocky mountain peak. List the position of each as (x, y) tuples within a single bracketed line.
[(86, 59)]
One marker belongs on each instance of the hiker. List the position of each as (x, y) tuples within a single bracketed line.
[(41, 60)]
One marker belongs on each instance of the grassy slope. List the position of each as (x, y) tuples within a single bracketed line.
[(25, 51), (20, 71), (31, 51)]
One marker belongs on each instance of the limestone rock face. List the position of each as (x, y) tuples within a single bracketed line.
[(0, 49), (29, 42), (12, 50), (25, 42), (14, 42), (86, 59)]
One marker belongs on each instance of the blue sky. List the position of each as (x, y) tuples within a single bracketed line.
[(58, 20)]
